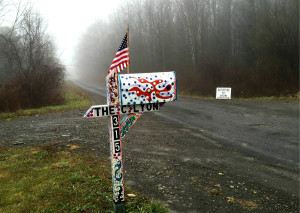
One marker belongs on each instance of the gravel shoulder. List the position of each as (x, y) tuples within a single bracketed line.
[(185, 169)]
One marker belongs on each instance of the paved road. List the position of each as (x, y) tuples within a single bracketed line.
[(265, 130)]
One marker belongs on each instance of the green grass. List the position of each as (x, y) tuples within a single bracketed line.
[(288, 98), (74, 99), (52, 179)]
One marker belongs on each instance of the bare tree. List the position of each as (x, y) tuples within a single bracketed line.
[(33, 73), (190, 13), (232, 42)]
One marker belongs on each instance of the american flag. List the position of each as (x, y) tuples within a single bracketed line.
[(121, 59)]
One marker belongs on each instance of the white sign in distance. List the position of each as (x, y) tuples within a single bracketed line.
[(223, 93)]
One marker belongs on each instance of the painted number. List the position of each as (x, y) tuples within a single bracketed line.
[(117, 147), (115, 124), (116, 133), (115, 121)]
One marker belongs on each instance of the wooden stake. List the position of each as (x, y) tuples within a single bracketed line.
[(128, 47)]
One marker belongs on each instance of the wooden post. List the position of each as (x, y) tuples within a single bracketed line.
[(128, 46), (115, 145)]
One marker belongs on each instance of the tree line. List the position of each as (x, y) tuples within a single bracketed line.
[(30, 73), (249, 45)]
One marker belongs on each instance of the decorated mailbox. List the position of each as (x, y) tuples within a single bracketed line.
[(131, 95), (147, 88), (136, 93)]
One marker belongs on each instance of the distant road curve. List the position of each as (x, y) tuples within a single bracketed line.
[(94, 88), (265, 130)]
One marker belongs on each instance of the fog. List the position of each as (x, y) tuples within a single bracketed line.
[(66, 20), (249, 45), (69, 19)]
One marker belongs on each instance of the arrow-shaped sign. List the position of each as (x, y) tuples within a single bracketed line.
[(107, 110)]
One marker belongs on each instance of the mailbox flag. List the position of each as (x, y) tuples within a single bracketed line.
[(121, 59)]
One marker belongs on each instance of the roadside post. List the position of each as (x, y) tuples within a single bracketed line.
[(131, 95)]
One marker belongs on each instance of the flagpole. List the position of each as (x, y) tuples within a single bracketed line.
[(128, 47)]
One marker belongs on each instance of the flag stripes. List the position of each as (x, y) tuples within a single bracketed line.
[(121, 59)]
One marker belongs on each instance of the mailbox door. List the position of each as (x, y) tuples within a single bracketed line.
[(146, 88)]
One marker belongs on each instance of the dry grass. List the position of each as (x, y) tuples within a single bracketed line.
[(74, 97), (245, 204)]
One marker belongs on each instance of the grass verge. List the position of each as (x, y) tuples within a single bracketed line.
[(51, 178), (75, 98), (288, 98)]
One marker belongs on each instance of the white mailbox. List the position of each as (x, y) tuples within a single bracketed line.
[(144, 88)]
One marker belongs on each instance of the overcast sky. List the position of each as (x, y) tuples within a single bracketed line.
[(68, 19)]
